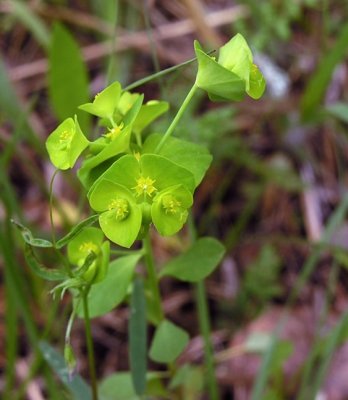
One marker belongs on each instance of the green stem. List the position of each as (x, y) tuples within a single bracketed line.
[(90, 350), (204, 325), (51, 207), (152, 279), (177, 118)]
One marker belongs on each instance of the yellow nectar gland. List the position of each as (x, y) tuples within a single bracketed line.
[(120, 207), (145, 186), (170, 204), (88, 247), (65, 139), (114, 132)]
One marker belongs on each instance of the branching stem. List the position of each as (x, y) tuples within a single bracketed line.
[(177, 118)]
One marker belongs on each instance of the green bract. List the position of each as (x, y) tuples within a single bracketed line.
[(90, 240), (105, 102), (232, 75), (65, 144), (134, 191), (121, 216), (169, 209)]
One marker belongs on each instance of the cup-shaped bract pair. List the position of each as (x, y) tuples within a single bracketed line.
[(65, 144), (232, 75), (135, 191), (90, 241)]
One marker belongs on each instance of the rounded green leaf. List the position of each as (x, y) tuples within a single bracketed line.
[(169, 209), (65, 144), (105, 102), (197, 262), (168, 343)]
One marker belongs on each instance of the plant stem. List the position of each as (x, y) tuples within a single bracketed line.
[(152, 279), (51, 207), (177, 118), (89, 342), (204, 324)]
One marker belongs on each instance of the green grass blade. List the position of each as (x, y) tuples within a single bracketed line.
[(317, 85), (33, 23), (75, 384), (67, 77)]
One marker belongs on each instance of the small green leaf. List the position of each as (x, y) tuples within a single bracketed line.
[(39, 269), (67, 76), (76, 230), (65, 144), (168, 343), (123, 382), (138, 337), (111, 291), (125, 390), (191, 379), (73, 382), (105, 102), (28, 236), (197, 263)]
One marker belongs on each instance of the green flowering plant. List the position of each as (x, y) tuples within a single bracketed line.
[(135, 180)]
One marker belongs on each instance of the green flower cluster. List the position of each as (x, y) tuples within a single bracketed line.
[(133, 183)]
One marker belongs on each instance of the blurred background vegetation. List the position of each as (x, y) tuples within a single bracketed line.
[(276, 194)]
